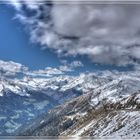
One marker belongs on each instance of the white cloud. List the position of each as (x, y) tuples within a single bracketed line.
[(32, 4), (76, 64), (136, 52), (69, 67), (10, 68), (105, 33), (15, 3), (65, 68), (50, 71)]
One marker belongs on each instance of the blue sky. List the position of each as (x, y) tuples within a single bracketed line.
[(15, 45)]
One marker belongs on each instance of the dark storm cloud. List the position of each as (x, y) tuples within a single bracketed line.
[(106, 33)]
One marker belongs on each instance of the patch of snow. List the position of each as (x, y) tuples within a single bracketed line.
[(1, 89)]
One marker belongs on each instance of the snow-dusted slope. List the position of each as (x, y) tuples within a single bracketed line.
[(23, 99), (79, 118), (111, 108), (120, 87), (82, 83)]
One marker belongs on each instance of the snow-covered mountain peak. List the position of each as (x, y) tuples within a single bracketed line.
[(32, 96), (123, 83), (117, 89)]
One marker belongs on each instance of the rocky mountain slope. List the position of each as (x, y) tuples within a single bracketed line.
[(80, 118), (24, 99), (26, 95), (111, 109)]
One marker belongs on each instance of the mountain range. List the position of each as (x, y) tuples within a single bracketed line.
[(91, 104)]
